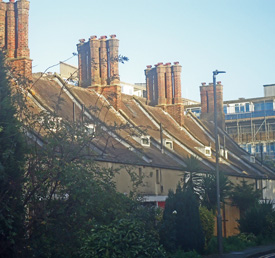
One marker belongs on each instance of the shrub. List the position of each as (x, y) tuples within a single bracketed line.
[(207, 222), (181, 227), (122, 238), (259, 220), (233, 243)]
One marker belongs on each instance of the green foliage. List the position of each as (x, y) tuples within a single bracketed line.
[(11, 171), (192, 177), (233, 243), (209, 193), (244, 196), (68, 194), (207, 222), (259, 220), (181, 226), (121, 238)]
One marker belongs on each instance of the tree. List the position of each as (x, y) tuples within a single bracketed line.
[(245, 196), (209, 190), (192, 177), (181, 227), (11, 171)]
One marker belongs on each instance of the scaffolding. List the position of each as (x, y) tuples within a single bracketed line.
[(254, 133)]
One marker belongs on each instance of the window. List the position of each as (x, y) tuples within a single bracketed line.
[(168, 144), (225, 109), (90, 128), (269, 106), (145, 141), (242, 108), (207, 151), (246, 107), (237, 108), (252, 159)]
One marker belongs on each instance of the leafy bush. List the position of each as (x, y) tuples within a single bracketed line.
[(233, 243), (259, 220), (245, 196), (207, 222), (122, 238)]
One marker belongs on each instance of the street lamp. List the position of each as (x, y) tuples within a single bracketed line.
[(219, 217)]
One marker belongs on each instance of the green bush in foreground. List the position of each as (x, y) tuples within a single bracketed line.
[(207, 222), (233, 243), (259, 220), (120, 239)]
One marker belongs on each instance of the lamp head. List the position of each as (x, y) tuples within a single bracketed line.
[(217, 72)]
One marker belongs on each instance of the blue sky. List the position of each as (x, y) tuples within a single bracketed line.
[(237, 36)]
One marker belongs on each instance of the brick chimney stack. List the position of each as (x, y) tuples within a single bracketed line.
[(3, 8), (103, 60), (113, 44), (207, 103), (163, 84), (98, 67), (176, 70), (14, 27), (168, 83)]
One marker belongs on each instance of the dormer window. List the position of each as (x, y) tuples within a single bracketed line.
[(252, 159), (90, 128), (168, 144), (207, 151), (145, 141)]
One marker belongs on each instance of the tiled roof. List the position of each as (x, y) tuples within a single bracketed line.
[(124, 128)]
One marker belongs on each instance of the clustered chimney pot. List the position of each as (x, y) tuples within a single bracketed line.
[(176, 63), (203, 83), (103, 37), (168, 64), (149, 66), (219, 82), (82, 40), (93, 37), (113, 36)]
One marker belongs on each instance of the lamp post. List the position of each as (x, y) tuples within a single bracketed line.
[(219, 217)]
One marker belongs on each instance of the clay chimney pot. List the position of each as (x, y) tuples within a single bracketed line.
[(149, 66), (82, 40), (93, 37), (103, 37), (113, 36), (168, 64), (203, 83), (12, 1), (176, 63), (219, 82)]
